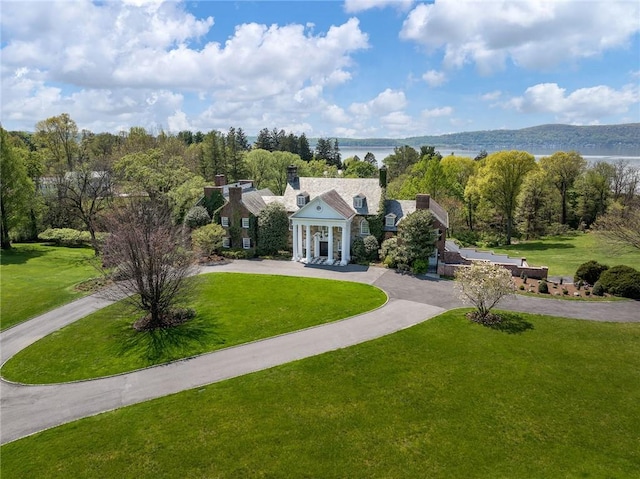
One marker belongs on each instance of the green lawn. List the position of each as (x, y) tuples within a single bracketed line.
[(563, 254), (232, 308), (543, 397), (35, 278)]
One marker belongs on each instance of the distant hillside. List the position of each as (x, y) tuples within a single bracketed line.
[(624, 139)]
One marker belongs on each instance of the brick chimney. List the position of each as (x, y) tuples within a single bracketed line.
[(220, 180), (423, 202), (208, 191), (235, 194), (382, 172), (292, 176)]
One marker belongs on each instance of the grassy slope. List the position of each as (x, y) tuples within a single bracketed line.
[(36, 278), (231, 309), (563, 254), (448, 398)]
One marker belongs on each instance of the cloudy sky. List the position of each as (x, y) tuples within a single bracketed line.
[(358, 68)]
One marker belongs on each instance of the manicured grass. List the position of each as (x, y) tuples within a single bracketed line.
[(35, 278), (232, 308), (543, 397), (563, 254)]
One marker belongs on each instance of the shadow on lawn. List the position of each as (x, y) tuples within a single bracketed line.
[(170, 344), (21, 256), (512, 323)]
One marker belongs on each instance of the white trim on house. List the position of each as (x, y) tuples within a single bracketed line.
[(245, 223), (226, 242), (325, 221), (224, 221), (246, 243), (364, 228)]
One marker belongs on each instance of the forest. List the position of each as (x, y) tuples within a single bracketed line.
[(61, 177)]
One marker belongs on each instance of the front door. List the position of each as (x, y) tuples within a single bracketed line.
[(324, 248)]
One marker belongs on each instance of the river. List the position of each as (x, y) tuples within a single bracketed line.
[(382, 152)]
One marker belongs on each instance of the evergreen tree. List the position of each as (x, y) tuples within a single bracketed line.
[(303, 149)]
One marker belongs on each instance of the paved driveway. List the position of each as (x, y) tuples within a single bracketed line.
[(25, 409)]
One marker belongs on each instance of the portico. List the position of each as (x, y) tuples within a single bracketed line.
[(322, 229)]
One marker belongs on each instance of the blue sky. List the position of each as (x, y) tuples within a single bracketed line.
[(358, 68)]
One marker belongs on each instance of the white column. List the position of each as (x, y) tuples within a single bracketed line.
[(316, 245), (345, 245), (308, 243), (294, 242), (330, 249), (300, 250)]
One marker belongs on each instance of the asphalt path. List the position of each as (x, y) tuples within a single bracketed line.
[(27, 409)]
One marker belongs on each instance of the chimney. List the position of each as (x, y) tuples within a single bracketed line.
[(208, 191), (422, 202), (382, 172), (292, 174), (220, 180), (235, 194)]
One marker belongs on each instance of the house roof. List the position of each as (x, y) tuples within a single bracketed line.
[(402, 208), (253, 201), (329, 198), (346, 188)]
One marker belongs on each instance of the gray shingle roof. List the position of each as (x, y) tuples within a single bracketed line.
[(335, 201), (402, 208), (253, 202), (346, 188)]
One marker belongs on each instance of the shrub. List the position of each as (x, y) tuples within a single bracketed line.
[(358, 252), (388, 251), (621, 281), (69, 237), (208, 239), (598, 289), (565, 291), (197, 217), (587, 293), (543, 287), (420, 266), (521, 288), (589, 272), (237, 253), (273, 229), (371, 248)]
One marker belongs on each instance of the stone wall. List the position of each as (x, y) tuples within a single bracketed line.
[(533, 272)]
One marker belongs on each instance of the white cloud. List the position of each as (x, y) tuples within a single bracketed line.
[(386, 102), (437, 112), (434, 78), (355, 6), (116, 50), (582, 106), (335, 114), (532, 34), (491, 96)]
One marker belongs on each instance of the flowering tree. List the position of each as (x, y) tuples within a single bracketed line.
[(484, 284)]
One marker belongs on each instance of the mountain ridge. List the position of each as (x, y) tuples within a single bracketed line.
[(621, 138)]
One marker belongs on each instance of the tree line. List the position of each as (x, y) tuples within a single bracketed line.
[(495, 197), (62, 177)]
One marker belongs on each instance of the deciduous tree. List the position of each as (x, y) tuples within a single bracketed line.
[(152, 261), (500, 182), (16, 189), (563, 168), (484, 285)]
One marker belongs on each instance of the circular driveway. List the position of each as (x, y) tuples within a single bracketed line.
[(27, 409)]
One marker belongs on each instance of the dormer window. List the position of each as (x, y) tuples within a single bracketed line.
[(358, 201), (390, 220), (302, 199)]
